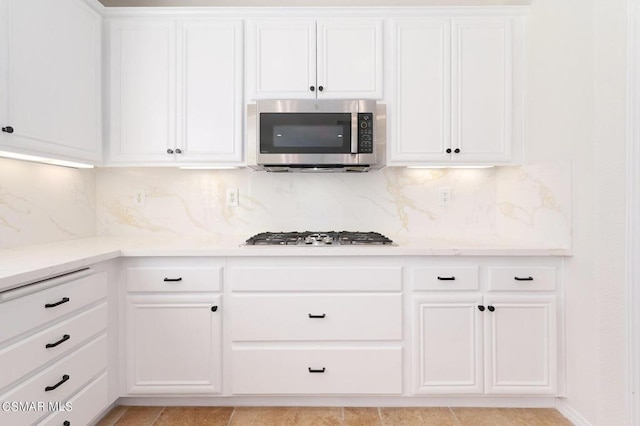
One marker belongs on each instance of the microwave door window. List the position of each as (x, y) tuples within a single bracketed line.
[(304, 133)]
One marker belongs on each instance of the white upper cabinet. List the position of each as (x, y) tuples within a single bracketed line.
[(309, 59), (458, 91), (175, 91), (142, 95), (50, 79)]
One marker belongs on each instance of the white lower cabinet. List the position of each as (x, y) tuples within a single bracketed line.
[(82, 408), (448, 351), (174, 326), (317, 370), (174, 344), (53, 347), (520, 344), (471, 345), (340, 333), (485, 343)]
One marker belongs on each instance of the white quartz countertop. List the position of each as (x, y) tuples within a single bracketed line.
[(30, 263)]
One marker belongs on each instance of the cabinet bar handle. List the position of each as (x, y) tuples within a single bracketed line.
[(523, 279), (317, 316), (311, 370), (53, 305), (64, 379), (172, 280), (53, 345), (447, 278), (491, 308)]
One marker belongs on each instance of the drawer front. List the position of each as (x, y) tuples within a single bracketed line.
[(79, 367), (317, 371), (316, 317), (84, 406), (525, 278), (23, 314), (172, 279), (316, 279), (31, 353), (446, 278)]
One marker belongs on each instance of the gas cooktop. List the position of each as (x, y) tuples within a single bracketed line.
[(331, 238)]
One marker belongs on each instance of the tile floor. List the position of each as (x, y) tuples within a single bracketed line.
[(329, 416)]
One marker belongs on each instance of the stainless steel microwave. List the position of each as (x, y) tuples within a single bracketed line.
[(314, 135)]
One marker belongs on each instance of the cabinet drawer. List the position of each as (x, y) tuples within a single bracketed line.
[(45, 306), (446, 278), (316, 317), (525, 278), (172, 279), (84, 406), (317, 371), (79, 367), (316, 279), (31, 353)]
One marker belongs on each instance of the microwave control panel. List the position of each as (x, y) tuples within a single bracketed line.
[(365, 133)]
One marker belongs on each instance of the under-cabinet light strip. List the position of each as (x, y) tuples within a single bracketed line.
[(45, 160)]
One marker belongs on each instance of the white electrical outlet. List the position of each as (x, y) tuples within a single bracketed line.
[(232, 198), (444, 196), (139, 198)]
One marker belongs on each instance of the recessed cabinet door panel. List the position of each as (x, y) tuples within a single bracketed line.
[(174, 344), (481, 89), (422, 121), (210, 88), (142, 90), (283, 58), (449, 355), (520, 344), (350, 58)]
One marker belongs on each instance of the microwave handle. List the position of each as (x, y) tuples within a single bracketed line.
[(354, 133)]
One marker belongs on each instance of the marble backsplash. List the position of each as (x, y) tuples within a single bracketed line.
[(40, 203), (528, 206)]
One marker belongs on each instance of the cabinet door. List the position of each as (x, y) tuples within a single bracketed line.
[(481, 99), (210, 91), (421, 117), (448, 336), (281, 59), (350, 58), (520, 345), (173, 344), (51, 73), (142, 92)]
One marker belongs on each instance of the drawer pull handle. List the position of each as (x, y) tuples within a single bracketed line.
[(311, 370), (64, 379), (317, 316), (53, 345), (447, 278), (53, 305), (523, 279), (172, 280), (491, 308)]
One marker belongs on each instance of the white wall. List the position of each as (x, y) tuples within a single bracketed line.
[(576, 111)]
